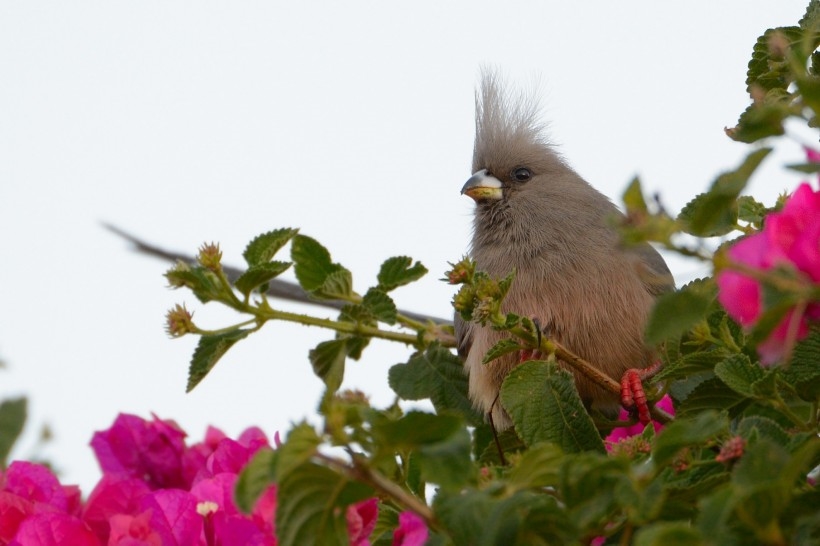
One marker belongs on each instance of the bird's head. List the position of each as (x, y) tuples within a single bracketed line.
[(513, 161)]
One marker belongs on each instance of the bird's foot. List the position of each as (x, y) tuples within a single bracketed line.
[(632, 394)]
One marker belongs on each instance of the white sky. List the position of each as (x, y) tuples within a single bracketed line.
[(185, 122)]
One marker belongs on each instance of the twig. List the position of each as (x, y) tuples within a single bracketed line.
[(277, 288)]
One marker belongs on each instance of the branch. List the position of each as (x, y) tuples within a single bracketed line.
[(277, 288)]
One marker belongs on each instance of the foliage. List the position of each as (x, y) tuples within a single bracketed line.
[(737, 464), (732, 468)]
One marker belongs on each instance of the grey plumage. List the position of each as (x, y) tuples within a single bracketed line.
[(588, 292)]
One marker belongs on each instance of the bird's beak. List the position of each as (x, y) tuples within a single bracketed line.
[(483, 186)]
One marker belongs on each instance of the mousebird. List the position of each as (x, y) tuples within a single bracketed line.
[(537, 216)]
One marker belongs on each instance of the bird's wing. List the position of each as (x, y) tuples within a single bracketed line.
[(652, 269)]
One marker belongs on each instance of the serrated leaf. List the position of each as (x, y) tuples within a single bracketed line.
[(13, 414), (763, 427), (709, 395), (544, 405), (675, 313), (328, 361), (380, 305), (681, 433), (310, 506), (258, 275), (256, 476), (398, 271), (436, 374), (738, 373), (312, 262), (337, 285), (208, 352), (715, 212), (262, 248), (750, 210), (503, 347), (803, 371)]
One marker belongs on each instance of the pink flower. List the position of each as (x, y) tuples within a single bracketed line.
[(54, 529), (361, 520), (623, 433), (411, 530), (790, 239), (150, 450)]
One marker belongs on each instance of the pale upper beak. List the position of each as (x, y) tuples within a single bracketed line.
[(483, 186)]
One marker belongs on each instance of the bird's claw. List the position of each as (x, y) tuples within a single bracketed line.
[(633, 396)]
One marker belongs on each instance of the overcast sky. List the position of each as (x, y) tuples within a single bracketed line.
[(186, 122)]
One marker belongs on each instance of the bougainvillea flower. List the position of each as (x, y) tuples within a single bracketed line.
[(114, 494), (790, 239), (361, 520), (151, 450), (622, 433), (54, 529), (411, 530)]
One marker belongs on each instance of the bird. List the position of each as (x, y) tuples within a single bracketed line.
[(536, 216)]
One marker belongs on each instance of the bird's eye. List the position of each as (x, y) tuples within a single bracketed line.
[(521, 174)]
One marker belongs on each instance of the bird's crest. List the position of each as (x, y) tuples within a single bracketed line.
[(506, 122)]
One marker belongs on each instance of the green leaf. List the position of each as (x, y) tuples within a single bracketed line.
[(380, 305), (544, 405), (738, 373), (337, 285), (503, 347), (463, 514), (762, 427), (591, 485), (311, 502), (201, 281), (447, 462), (803, 371), (750, 210), (299, 447), (313, 264), (668, 533), (633, 196), (436, 374), (254, 478), (715, 511), (259, 274), (538, 467), (328, 361), (711, 394), (715, 212), (12, 420), (415, 429), (208, 352), (758, 481), (681, 433), (398, 271), (262, 248), (677, 312)]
